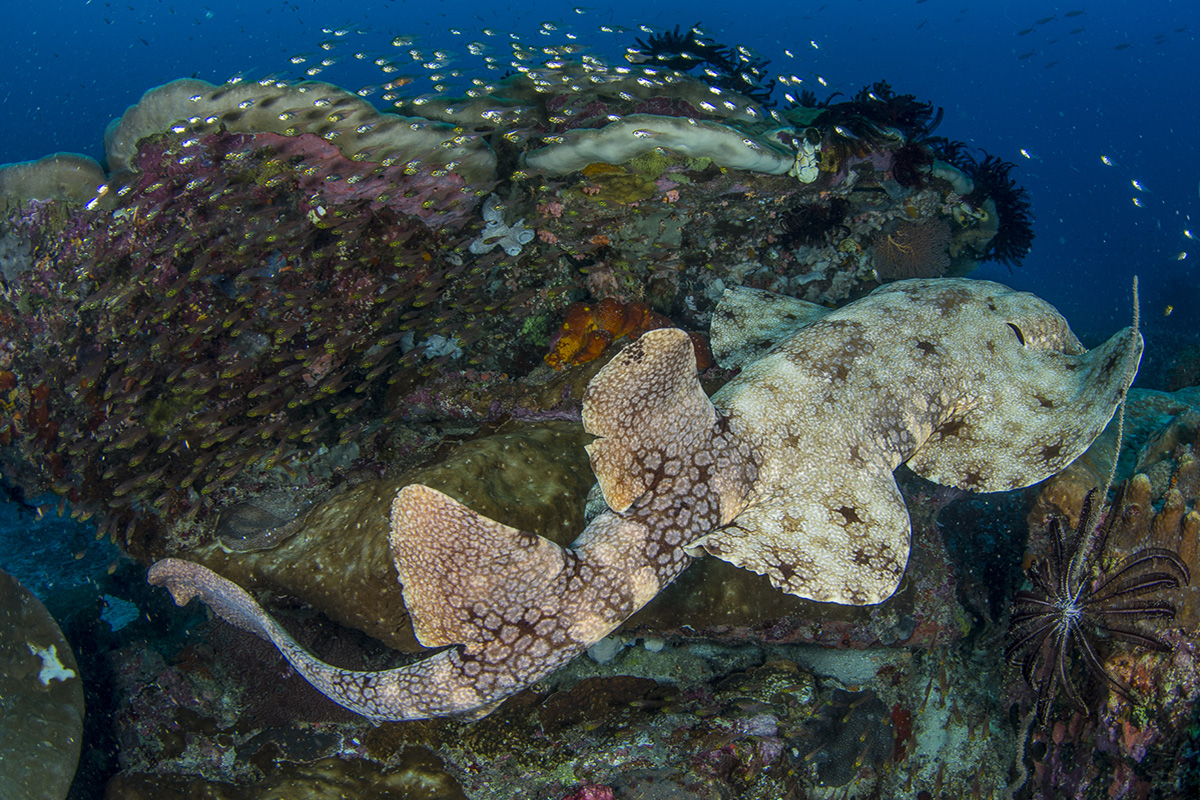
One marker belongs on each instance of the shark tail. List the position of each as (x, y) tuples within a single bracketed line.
[(430, 687)]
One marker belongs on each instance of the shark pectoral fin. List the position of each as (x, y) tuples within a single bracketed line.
[(649, 410), (749, 322), (457, 568), (846, 543), (1045, 412)]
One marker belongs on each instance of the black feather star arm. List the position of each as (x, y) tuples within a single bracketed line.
[(1073, 604)]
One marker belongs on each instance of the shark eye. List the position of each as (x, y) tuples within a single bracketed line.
[(1017, 331)]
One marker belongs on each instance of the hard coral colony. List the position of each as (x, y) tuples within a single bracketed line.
[(281, 291)]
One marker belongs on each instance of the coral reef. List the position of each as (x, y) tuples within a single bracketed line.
[(64, 177), (509, 238), (912, 250), (992, 180), (1073, 603), (1128, 741), (279, 305), (588, 330), (295, 324), (812, 223), (322, 240)]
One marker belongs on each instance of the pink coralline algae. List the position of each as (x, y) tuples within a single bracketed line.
[(332, 179)]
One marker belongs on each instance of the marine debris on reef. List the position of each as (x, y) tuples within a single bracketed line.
[(786, 472)]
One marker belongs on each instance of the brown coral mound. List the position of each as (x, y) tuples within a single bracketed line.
[(912, 250)]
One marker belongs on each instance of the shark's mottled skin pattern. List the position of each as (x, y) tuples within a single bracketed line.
[(787, 472), (521, 605)]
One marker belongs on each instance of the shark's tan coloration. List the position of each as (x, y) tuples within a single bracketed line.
[(787, 472)]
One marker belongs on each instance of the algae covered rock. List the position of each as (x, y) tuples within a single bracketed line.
[(41, 699)]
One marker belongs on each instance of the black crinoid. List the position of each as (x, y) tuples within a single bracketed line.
[(1014, 237), (738, 69), (1075, 602), (814, 224)]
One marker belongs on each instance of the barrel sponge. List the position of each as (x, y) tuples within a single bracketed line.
[(360, 131), (638, 134), (42, 698), (68, 177), (531, 476)]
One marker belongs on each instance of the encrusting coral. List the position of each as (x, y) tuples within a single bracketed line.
[(588, 330), (734, 477)]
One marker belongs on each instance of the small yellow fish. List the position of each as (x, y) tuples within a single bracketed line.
[(1137, 201), (1167, 311), (1181, 256), (1108, 162)]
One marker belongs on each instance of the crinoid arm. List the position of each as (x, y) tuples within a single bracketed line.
[(1073, 604)]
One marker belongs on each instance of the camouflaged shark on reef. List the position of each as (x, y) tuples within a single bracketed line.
[(787, 471)]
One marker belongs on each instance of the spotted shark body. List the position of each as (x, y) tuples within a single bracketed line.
[(787, 471)]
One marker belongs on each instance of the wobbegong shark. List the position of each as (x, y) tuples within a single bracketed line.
[(786, 471)]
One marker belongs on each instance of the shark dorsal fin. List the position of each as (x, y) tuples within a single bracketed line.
[(749, 322), (647, 407)]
